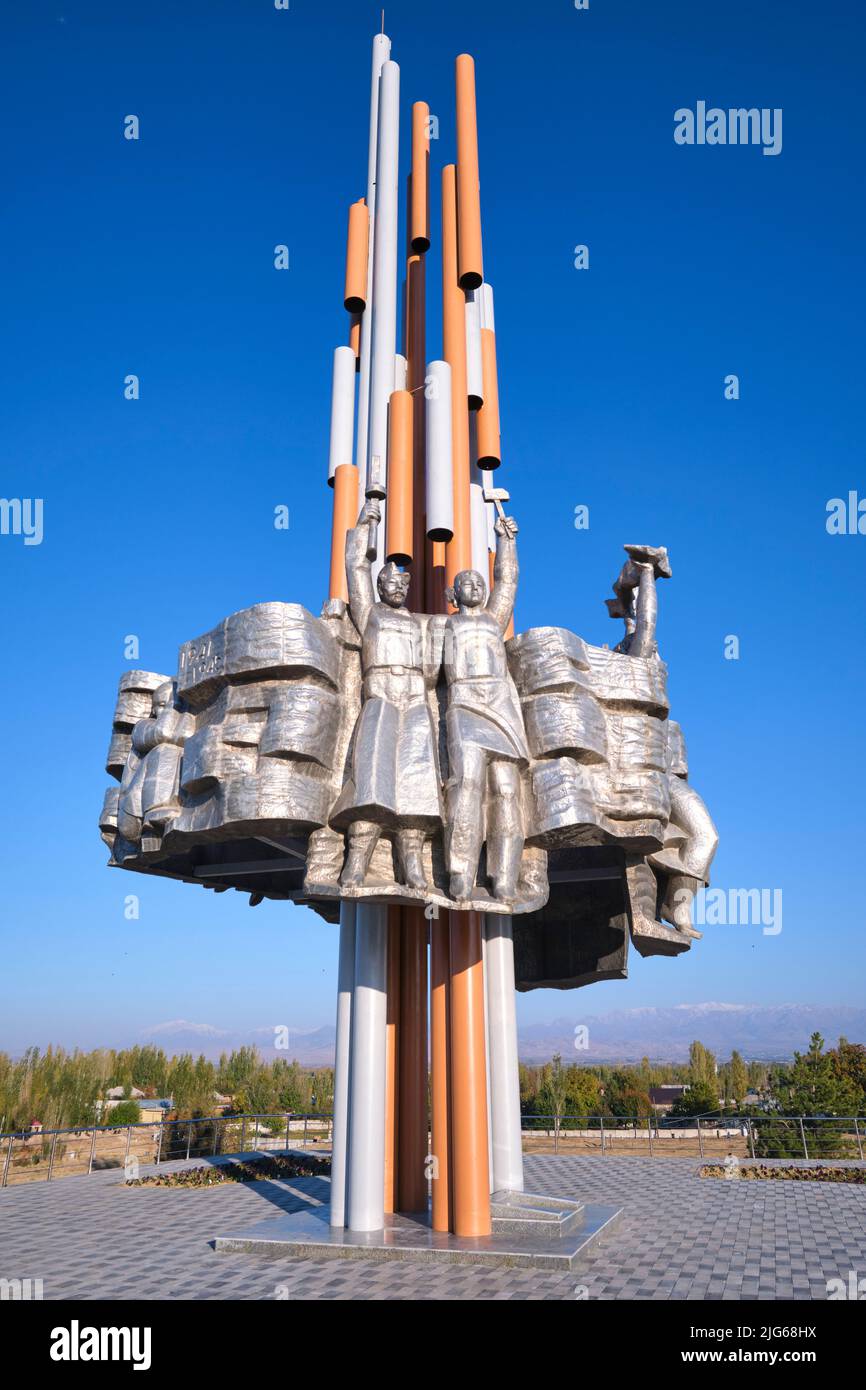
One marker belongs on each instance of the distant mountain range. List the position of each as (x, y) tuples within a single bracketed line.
[(761, 1032)]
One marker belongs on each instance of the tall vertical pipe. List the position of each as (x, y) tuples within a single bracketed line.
[(357, 255), (345, 514), (474, 369), (366, 1177), (384, 301), (416, 371), (440, 452), (419, 213), (487, 1060), (502, 1041), (470, 268), (342, 410), (489, 446), (412, 1103), (440, 1072), (458, 553), (392, 1048), (470, 1171), (381, 52), (399, 538), (342, 1053)]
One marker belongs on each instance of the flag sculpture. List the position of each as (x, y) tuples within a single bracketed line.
[(480, 811)]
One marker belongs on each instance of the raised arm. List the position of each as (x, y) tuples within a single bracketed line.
[(505, 572), (359, 575)]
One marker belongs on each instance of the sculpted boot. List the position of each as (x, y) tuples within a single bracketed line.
[(363, 838), (410, 856)]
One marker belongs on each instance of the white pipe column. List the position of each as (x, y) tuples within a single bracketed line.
[(365, 1206), (342, 1054), (487, 1051), (384, 291), (502, 1048), (381, 53)]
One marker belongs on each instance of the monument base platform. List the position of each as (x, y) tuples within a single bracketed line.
[(532, 1232)]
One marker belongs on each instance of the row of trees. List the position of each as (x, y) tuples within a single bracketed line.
[(64, 1090), (815, 1083)]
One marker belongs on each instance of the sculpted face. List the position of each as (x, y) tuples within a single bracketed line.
[(393, 585), (470, 589)]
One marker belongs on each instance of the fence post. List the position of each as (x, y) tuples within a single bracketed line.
[(243, 1132), (128, 1141), (5, 1181), (288, 1127), (92, 1150), (803, 1137), (51, 1158), (189, 1138), (751, 1137), (159, 1145), (306, 1122), (700, 1137), (216, 1131), (649, 1124), (601, 1119), (859, 1138)]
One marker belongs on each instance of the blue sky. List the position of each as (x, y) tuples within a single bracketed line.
[(155, 257)]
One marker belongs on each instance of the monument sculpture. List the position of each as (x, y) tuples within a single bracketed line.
[(481, 810)]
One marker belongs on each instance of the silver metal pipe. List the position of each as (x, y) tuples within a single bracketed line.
[(474, 373), (440, 479), (342, 1064), (381, 53), (384, 291), (502, 1045), (365, 1187), (487, 1051), (342, 410), (485, 293)]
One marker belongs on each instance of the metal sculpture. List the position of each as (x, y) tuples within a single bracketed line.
[(403, 762)]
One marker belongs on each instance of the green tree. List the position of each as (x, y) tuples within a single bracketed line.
[(739, 1078), (126, 1112)]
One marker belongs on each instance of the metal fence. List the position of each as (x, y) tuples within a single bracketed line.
[(699, 1136), (45, 1155), (49, 1154)]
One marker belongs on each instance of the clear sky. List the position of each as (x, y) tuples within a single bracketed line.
[(155, 257)]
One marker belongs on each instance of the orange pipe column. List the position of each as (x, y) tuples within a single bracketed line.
[(440, 1071), (487, 416), (344, 516), (357, 250), (458, 551), (412, 1094), (392, 1045), (470, 267), (471, 1172), (419, 211), (399, 538)]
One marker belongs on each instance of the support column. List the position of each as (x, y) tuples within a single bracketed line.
[(412, 1102), (470, 1172), (366, 1177), (440, 1070), (342, 1052), (392, 1050), (505, 1120)]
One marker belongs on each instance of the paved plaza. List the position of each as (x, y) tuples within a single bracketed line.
[(680, 1237)]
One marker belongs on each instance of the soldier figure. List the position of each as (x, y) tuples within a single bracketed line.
[(393, 782), (487, 748)]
